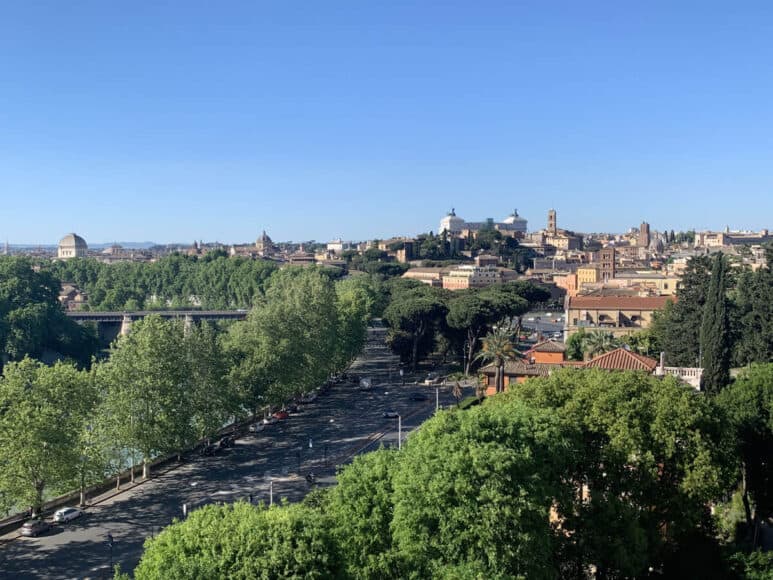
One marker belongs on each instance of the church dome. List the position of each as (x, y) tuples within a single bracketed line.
[(72, 246)]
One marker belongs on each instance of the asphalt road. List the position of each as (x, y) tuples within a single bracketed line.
[(326, 433), (541, 322)]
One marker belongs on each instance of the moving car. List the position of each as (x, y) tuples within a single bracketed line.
[(281, 415), (418, 397), (390, 414), (433, 379), (66, 514), (35, 527), (257, 427)]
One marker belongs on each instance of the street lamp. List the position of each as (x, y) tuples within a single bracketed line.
[(399, 432)]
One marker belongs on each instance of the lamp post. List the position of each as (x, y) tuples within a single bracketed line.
[(437, 399), (399, 432), (271, 492)]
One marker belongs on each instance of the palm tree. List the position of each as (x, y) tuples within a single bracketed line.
[(498, 348), (599, 342)]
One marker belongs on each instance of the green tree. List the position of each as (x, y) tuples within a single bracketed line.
[(31, 319), (575, 347), (754, 302), (598, 342), (643, 342), (354, 306), (360, 506), (715, 339), (647, 455), (243, 541), (42, 410), (147, 399), (678, 326), (473, 491), (748, 403), (413, 315), (213, 399), (290, 342)]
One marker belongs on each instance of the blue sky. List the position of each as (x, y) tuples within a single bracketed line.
[(174, 121)]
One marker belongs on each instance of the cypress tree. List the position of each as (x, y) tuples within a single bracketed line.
[(715, 330)]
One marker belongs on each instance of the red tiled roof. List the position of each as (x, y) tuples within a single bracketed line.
[(547, 346), (621, 359), (621, 302), (524, 368)]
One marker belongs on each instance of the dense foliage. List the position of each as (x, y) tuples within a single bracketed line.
[(213, 281), (31, 319), (166, 386), (722, 317), (580, 471), (241, 541), (421, 318)]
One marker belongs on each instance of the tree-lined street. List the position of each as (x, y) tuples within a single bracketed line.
[(323, 434)]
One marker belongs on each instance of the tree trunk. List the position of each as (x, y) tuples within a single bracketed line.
[(414, 352), (471, 340), (501, 378), (745, 498), (145, 468), (131, 472), (37, 507)]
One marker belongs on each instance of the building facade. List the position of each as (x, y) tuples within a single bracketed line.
[(619, 315), (72, 246)]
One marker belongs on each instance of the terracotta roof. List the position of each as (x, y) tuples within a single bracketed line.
[(523, 368), (621, 359), (547, 346), (621, 302)]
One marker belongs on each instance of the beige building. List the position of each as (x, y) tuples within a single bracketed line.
[(587, 275), (619, 315), (464, 277), (430, 276), (72, 246)]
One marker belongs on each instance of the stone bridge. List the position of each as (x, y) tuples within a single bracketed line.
[(110, 325)]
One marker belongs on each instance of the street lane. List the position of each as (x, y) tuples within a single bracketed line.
[(338, 424)]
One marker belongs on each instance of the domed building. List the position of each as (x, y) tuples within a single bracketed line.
[(451, 223), (264, 245), (72, 246), (517, 223), (513, 225)]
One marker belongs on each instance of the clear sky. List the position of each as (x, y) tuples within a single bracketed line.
[(174, 121)]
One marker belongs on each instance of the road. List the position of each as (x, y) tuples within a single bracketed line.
[(545, 322), (339, 424)]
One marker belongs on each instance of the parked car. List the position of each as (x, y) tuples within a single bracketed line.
[(227, 441), (281, 415), (66, 514), (257, 427), (269, 421), (418, 397), (390, 414), (35, 527)]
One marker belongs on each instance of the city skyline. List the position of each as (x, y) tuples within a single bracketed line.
[(368, 121)]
